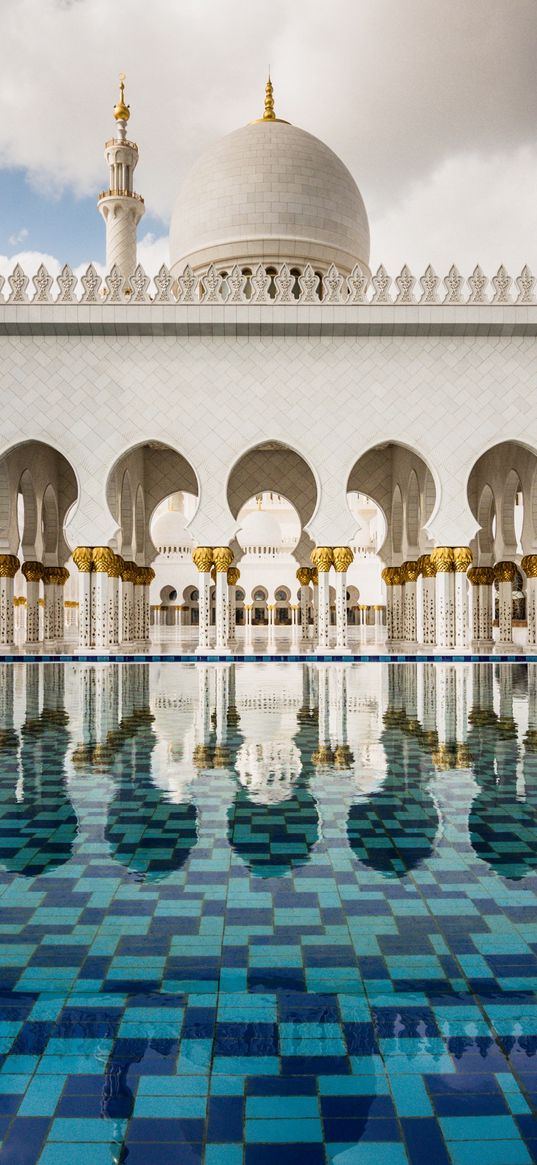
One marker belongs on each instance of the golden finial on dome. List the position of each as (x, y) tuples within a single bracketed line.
[(269, 114), (122, 112)]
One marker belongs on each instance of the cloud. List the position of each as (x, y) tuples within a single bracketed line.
[(399, 90), (18, 237)]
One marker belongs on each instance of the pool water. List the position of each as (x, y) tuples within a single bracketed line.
[(268, 913)]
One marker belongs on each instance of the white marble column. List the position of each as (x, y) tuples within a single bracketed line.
[(83, 559), (427, 588), (233, 576), (295, 608), (486, 603), (223, 558), (128, 575), (474, 614), (33, 573), (113, 601), (303, 575), (9, 565), (322, 558), (462, 556), (202, 557), (409, 574), (343, 557), (529, 566), (103, 563), (504, 575), (315, 607), (49, 613), (443, 560)]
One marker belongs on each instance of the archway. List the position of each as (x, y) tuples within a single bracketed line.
[(38, 488), (401, 484), (502, 498), (147, 473)]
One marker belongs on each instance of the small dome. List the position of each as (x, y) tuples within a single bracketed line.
[(269, 193), (168, 529), (260, 529)]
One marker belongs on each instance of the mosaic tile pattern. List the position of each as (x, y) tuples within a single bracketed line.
[(288, 916)]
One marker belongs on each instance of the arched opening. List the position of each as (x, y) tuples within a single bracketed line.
[(149, 473), (501, 496)]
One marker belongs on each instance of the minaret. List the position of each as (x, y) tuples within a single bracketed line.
[(120, 207)]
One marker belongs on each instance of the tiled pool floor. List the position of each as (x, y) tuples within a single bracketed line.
[(281, 915)]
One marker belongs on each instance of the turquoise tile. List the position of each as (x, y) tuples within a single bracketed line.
[(283, 1131), (42, 1096), (282, 1106), (480, 1128), (410, 1096), (489, 1153)]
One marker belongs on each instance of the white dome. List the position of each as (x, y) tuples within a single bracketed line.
[(168, 529), (260, 529), (269, 193)]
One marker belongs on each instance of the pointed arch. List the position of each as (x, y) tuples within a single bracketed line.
[(412, 516), (50, 529), (27, 515)]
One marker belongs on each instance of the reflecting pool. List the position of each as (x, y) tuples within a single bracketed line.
[(263, 913)]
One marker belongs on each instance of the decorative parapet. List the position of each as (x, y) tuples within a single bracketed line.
[(272, 286)]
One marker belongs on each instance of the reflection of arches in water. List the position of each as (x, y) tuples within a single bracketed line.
[(273, 839), (394, 829), (38, 825), (148, 834)]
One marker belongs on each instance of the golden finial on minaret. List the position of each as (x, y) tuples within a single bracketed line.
[(269, 114), (122, 112)]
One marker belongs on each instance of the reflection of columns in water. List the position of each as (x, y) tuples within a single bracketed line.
[(203, 725), (426, 698), (446, 704), (507, 743), (221, 701), (410, 690)]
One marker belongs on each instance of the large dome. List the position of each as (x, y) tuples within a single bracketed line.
[(269, 193)]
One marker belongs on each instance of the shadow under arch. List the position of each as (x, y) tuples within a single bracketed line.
[(273, 466), (38, 489), (148, 834), (383, 473), (502, 471), (145, 473)]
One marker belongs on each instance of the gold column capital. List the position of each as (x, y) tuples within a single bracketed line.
[(410, 571), (233, 576), (116, 568), (323, 558), (223, 557), (426, 566), (392, 576), (83, 558), (303, 575), (462, 556), (505, 572), (128, 572), (202, 558), (443, 559), (529, 565), (343, 556), (9, 565), (103, 559), (32, 571)]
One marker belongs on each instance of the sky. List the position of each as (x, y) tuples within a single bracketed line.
[(432, 104)]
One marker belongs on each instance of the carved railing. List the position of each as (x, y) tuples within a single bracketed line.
[(275, 286)]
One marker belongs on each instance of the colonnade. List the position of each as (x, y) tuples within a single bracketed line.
[(440, 599)]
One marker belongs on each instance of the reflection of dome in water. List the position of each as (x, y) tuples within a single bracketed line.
[(268, 770), (260, 529), (269, 192), (276, 838)]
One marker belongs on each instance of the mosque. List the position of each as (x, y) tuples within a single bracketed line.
[(266, 440)]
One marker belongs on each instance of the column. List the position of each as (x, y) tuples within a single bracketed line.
[(202, 558), (103, 561), (486, 604), (303, 575), (49, 588), (9, 565), (343, 556), (409, 574), (474, 577), (33, 573), (223, 558), (428, 604), (62, 574), (394, 621), (462, 557), (270, 641), (248, 607), (128, 574), (322, 558), (443, 560), (529, 566), (115, 572), (83, 558), (146, 575), (233, 576), (315, 584), (295, 608), (504, 575), (138, 604)]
